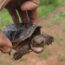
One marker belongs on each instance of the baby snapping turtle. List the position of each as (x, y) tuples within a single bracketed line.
[(26, 37)]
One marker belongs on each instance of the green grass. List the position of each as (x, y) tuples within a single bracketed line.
[(61, 57), (22, 59), (48, 25), (58, 39), (5, 19), (44, 55), (0, 53), (59, 19), (44, 10), (61, 2), (1, 62), (9, 64), (54, 2), (64, 30)]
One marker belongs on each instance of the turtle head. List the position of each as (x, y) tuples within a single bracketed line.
[(48, 39), (39, 41)]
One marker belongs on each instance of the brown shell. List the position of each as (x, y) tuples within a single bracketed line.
[(21, 32)]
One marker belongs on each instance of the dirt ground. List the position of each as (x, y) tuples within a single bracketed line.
[(52, 24)]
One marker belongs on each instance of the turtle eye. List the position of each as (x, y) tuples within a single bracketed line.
[(34, 43), (42, 42)]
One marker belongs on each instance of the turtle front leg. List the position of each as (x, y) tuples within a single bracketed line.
[(22, 51)]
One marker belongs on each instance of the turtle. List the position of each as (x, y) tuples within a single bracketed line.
[(27, 37)]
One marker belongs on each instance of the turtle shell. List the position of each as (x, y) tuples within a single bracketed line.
[(20, 32)]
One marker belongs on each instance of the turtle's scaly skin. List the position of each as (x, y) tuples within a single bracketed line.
[(22, 49), (25, 37)]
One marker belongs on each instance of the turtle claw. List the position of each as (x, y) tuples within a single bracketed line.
[(17, 56)]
